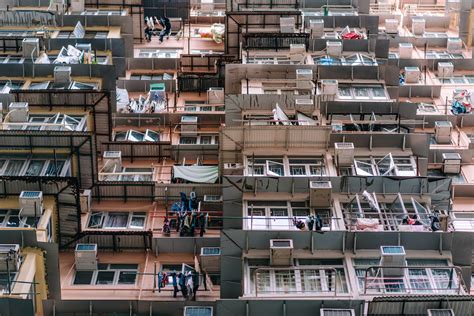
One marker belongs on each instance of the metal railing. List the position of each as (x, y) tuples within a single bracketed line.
[(413, 284), (326, 284), (389, 220), (283, 222)]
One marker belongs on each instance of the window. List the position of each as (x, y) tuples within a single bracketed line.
[(384, 166), (157, 53), (6, 278), (199, 140), (108, 274), (463, 221), (307, 276), (286, 166), (350, 92), (117, 220), (135, 136), (13, 218)]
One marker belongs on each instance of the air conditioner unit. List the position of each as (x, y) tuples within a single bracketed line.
[(344, 154), (297, 49), (58, 6), (304, 102), (86, 257), (418, 26), (445, 69), (189, 124), (77, 5), (212, 198), (304, 79), (207, 5), (215, 96), (62, 74), (334, 49), (454, 45), (336, 126), (18, 112), (440, 312), (113, 159), (317, 28), (412, 74), (336, 312), (31, 203), (392, 260), (281, 252), (287, 25), (320, 194), (10, 253), (198, 311), (451, 163), (30, 47), (85, 199), (443, 132), (210, 259), (329, 86), (391, 26), (405, 50)]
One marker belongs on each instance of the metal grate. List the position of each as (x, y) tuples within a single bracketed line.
[(393, 250), (198, 311), (31, 194), (209, 251), (440, 312), (337, 312)]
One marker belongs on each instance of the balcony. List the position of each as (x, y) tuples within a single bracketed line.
[(56, 122)]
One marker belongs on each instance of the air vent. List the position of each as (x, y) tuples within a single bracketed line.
[(198, 311), (31, 203), (281, 252)]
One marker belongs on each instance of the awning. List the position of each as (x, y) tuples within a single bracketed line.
[(197, 174)]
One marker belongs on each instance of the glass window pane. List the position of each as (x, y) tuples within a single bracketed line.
[(34, 168), (127, 277), (105, 277), (137, 222), (83, 277), (95, 220), (116, 220), (14, 167), (54, 168)]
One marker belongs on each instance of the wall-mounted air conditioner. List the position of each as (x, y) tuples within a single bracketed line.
[(391, 26), (287, 25), (443, 131), (198, 310), (297, 49), (336, 312), (454, 45), (77, 5), (445, 69), (18, 112), (85, 47), (405, 50), (86, 257), (113, 160), (215, 96), (62, 74), (392, 260), (329, 86), (344, 153), (85, 199), (303, 102), (210, 259), (418, 26), (10, 254), (440, 312), (317, 28), (207, 5), (189, 124), (31, 203), (412, 74), (281, 252), (30, 47), (212, 198), (451, 163), (334, 49), (320, 194), (304, 79)]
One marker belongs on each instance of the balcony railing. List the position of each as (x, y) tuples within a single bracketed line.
[(414, 280), (298, 281)]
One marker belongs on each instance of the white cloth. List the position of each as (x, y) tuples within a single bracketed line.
[(197, 174)]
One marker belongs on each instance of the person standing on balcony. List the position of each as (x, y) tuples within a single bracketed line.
[(174, 278)]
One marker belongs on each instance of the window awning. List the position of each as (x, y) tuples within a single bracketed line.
[(197, 174)]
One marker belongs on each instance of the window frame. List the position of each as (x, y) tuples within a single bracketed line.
[(108, 268), (104, 217)]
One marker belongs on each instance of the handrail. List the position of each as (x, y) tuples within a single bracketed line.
[(407, 285), (296, 269)]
